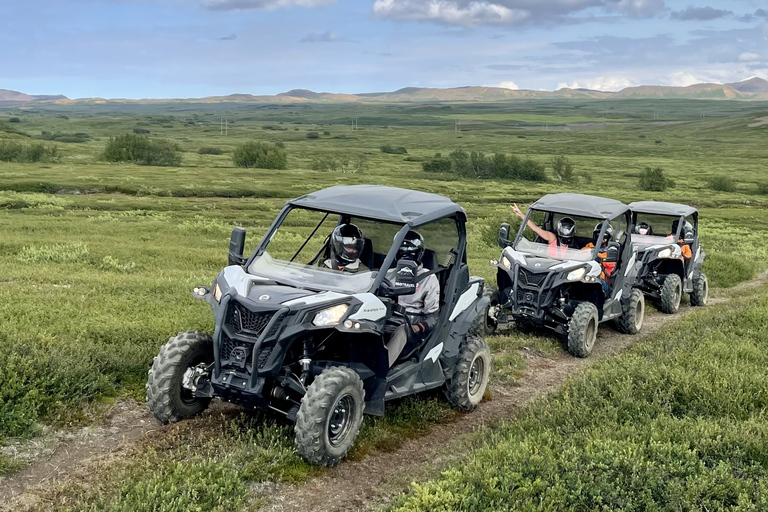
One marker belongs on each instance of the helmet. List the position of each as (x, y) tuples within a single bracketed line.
[(412, 247), (596, 232), (347, 243), (566, 228), (643, 228), (687, 226)]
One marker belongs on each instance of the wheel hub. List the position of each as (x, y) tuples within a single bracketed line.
[(476, 375), (340, 420)]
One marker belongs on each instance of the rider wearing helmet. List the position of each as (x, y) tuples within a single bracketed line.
[(421, 306), (346, 246), (686, 232), (608, 266), (643, 228), (562, 239)]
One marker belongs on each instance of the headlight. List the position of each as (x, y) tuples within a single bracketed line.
[(575, 275), (330, 316), (505, 263), (217, 293), (665, 253)]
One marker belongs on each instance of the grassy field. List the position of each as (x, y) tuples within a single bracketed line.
[(98, 259)]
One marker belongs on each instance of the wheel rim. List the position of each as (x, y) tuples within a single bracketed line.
[(590, 334), (677, 296), (639, 314), (340, 421), (188, 397), (476, 373), (490, 323), (706, 292)]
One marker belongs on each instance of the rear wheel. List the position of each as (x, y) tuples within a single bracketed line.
[(330, 416), (582, 329), (167, 398), (467, 384), (631, 319), (700, 293), (485, 323), (671, 293)]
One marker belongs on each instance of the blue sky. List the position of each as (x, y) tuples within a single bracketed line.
[(194, 48)]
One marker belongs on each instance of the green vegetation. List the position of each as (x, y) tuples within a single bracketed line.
[(563, 169), (678, 423), (260, 154), (393, 150), (12, 151), (210, 150), (722, 184), (98, 260), (654, 180), (140, 149)]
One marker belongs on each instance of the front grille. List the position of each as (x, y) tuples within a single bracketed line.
[(244, 320), (263, 355), (235, 353), (527, 296), (528, 278)]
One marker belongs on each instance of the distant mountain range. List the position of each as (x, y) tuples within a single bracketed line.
[(752, 89)]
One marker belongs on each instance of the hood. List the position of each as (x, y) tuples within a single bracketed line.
[(540, 264), (265, 294)]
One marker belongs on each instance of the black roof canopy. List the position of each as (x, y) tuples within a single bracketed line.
[(662, 208), (581, 204), (388, 204)]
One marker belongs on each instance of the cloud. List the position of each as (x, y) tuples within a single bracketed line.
[(504, 67), (325, 37), (761, 13), (507, 84), (244, 5), (639, 8), (230, 37), (749, 57), (700, 14), (507, 12), (600, 83)]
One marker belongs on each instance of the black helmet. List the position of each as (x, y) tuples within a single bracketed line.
[(566, 228), (596, 233), (643, 228), (347, 243), (412, 247)]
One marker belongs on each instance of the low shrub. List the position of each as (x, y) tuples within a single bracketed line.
[(722, 184), (79, 137), (313, 135), (11, 151), (140, 149), (14, 120), (209, 150), (343, 163), (392, 150), (76, 252), (141, 131), (653, 180), (437, 164), (262, 155), (326, 132), (762, 188), (563, 168)]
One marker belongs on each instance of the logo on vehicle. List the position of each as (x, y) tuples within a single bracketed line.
[(406, 270), (264, 298), (537, 264), (528, 297)]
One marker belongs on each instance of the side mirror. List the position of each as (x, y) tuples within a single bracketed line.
[(236, 246), (612, 252), (504, 235), (688, 237)]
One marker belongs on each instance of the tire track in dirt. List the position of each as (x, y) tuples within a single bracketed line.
[(380, 477), (354, 485)]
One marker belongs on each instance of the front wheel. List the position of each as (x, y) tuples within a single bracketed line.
[(582, 330), (485, 323), (469, 379), (700, 293), (167, 398), (671, 293), (330, 416), (631, 319)]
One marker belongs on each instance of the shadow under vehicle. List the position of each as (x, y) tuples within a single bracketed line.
[(561, 289), (308, 343), (669, 253)]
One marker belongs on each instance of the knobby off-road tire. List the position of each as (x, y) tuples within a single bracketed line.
[(168, 400), (330, 416), (582, 330), (631, 319), (466, 387), (483, 324), (671, 294), (700, 293)]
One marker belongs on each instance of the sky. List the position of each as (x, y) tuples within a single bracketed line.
[(197, 48)]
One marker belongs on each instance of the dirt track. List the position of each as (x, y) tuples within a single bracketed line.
[(354, 485)]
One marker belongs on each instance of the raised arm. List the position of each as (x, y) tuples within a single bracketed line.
[(542, 233)]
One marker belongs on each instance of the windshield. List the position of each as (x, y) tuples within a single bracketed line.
[(646, 240), (653, 229), (303, 253), (580, 247)]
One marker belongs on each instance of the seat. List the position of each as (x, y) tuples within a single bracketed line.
[(366, 255)]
